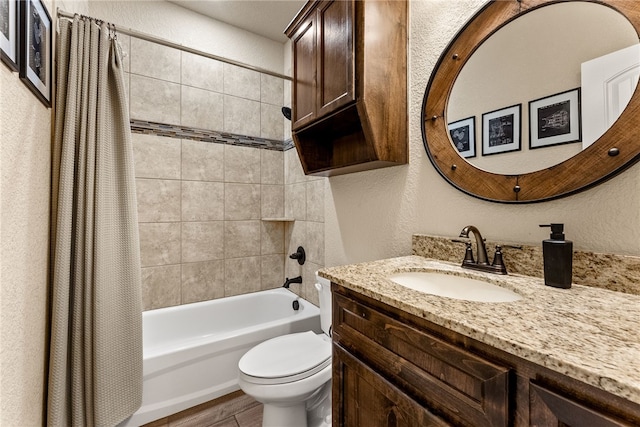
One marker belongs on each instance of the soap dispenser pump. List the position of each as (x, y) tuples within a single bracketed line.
[(558, 258)]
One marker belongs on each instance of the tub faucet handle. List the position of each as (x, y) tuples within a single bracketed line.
[(299, 255)]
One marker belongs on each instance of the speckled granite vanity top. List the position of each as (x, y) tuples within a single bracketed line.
[(587, 333)]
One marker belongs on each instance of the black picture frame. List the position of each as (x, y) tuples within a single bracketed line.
[(463, 136), (501, 130), (35, 49), (555, 119), (10, 33)]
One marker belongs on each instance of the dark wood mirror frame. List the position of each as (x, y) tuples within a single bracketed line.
[(616, 150)]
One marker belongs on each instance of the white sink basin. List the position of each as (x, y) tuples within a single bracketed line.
[(451, 286)]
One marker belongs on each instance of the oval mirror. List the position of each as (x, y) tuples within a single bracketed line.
[(510, 113)]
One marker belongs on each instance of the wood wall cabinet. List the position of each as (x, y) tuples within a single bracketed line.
[(349, 94), (391, 368)]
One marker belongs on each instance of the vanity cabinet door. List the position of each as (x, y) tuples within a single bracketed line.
[(550, 408), (458, 386), (362, 398)]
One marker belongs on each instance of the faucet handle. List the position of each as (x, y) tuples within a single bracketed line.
[(498, 262), (468, 254)]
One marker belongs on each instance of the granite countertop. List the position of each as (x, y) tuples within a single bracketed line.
[(586, 333)]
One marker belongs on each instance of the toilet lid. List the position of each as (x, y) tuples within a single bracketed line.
[(291, 357)]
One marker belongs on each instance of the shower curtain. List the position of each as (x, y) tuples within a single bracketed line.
[(95, 365)]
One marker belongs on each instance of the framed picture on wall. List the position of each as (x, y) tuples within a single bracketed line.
[(463, 136), (555, 119), (501, 130), (35, 49), (9, 33)]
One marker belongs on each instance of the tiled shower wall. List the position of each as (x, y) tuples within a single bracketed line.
[(201, 203)]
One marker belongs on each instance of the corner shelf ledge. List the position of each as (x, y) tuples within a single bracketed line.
[(278, 219)]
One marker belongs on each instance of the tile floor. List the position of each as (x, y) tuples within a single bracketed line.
[(233, 410)]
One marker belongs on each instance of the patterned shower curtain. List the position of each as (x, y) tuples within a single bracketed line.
[(95, 365)]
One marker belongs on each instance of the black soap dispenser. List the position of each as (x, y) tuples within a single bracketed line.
[(558, 258)]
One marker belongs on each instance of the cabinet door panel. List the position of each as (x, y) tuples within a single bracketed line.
[(335, 55), (304, 89), (548, 408), (462, 387), (362, 398)]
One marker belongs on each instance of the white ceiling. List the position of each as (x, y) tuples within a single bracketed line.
[(267, 18)]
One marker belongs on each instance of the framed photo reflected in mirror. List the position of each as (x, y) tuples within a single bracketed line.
[(555, 119), (463, 136), (501, 130)]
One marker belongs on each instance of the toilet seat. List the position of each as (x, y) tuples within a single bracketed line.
[(286, 359)]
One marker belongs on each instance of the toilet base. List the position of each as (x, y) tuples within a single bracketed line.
[(284, 416)]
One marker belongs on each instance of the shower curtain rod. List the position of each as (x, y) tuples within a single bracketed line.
[(153, 39)]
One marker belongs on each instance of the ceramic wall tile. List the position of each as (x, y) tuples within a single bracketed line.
[(272, 237), (202, 241), (315, 200), (124, 41), (287, 102), (295, 235), (272, 90), (202, 161), (202, 72), (202, 201), (160, 286), (272, 201), (159, 243), (158, 200), (295, 204), (202, 109), (154, 100), (315, 242), (309, 291), (293, 172), (242, 275), (241, 82), (271, 124), (202, 281), (272, 167), (155, 60), (242, 201), (242, 164), (272, 271), (242, 239), (156, 156), (241, 116)]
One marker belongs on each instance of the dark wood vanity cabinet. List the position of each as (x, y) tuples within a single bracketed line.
[(349, 93), (391, 368)]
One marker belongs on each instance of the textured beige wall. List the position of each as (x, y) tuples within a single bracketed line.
[(167, 20), (25, 141), (372, 215)]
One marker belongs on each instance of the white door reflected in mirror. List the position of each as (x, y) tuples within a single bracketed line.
[(608, 83)]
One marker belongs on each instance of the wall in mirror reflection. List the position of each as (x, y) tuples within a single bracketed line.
[(534, 59)]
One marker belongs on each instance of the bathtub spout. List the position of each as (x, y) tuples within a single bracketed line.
[(288, 281)]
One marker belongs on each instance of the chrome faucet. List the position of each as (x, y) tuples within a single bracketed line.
[(483, 262)]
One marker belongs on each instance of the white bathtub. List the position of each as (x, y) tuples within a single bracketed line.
[(191, 351)]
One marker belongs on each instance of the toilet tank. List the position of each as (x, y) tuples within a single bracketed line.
[(324, 292)]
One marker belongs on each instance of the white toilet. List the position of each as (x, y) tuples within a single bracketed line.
[(291, 374)]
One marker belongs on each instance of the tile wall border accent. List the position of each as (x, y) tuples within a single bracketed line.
[(618, 273), (185, 132)]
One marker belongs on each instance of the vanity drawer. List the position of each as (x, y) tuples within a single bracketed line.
[(453, 383)]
